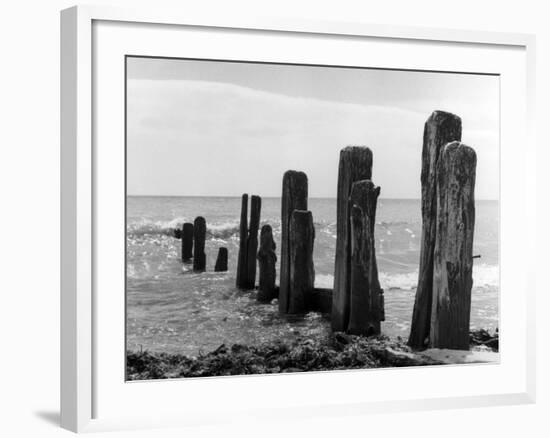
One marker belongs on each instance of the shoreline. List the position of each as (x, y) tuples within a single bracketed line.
[(337, 351)]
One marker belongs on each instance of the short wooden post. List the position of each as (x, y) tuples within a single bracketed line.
[(294, 197), (440, 129), (186, 242), (267, 260), (243, 234), (302, 273), (199, 237), (452, 280), (252, 242), (221, 260), (366, 299), (355, 165)]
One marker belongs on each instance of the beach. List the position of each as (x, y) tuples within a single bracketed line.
[(172, 310)]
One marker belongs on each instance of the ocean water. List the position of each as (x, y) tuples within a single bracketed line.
[(172, 309)]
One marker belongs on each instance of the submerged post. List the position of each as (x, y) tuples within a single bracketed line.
[(452, 279), (221, 260), (267, 260), (366, 295), (440, 129), (355, 165), (199, 237), (252, 242), (294, 197), (243, 234), (186, 242), (302, 273)]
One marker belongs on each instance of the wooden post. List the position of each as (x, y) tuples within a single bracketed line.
[(221, 260), (355, 165), (243, 234), (452, 280), (267, 260), (302, 273), (186, 242), (252, 242), (294, 197), (366, 299), (199, 237), (440, 129)]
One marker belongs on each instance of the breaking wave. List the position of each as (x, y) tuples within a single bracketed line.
[(223, 230), (484, 276)]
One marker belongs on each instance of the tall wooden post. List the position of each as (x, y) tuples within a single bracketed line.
[(366, 299), (452, 280), (221, 260), (243, 235), (294, 197), (440, 129), (186, 242), (302, 273), (252, 241), (267, 260), (355, 165), (199, 237)]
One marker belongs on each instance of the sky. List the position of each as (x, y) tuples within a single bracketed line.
[(215, 128)]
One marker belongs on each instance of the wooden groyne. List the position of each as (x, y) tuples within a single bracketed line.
[(248, 242), (302, 273), (252, 241), (355, 165), (441, 314), (186, 242), (267, 259), (366, 296), (221, 260), (199, 237), (294, 197), (452, 271), (440, 129), (243, 234)]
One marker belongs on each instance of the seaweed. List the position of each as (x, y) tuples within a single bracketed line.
[(338, 351)]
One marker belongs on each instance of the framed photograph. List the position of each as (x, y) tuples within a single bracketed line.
[(265, 218)]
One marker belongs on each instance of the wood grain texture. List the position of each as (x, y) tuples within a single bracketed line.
[(355, 164), (452, 279), (366, 299), (294, 197), (440, 129), (243, 234), (302, 273), (252, 242)]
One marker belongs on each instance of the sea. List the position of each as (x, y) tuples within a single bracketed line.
[(174, 310)]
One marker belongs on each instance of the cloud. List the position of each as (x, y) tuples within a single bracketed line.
[(193, 138)]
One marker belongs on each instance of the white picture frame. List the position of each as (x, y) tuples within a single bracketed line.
[(84, 370)]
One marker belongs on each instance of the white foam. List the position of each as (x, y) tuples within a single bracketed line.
[(484, 276)]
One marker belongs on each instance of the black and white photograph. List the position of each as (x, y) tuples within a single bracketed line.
[(287, 218)]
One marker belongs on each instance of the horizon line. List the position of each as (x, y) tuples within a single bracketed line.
[(239, 196)]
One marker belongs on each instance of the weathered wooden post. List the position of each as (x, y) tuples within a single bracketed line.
[(355, 165), (452, 279), (267, 259), (366, 295), (252, 241), (302, 273), (294, 197), (243, 234), (221, 260), (186, 242), (440, 129), (199, 237)]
